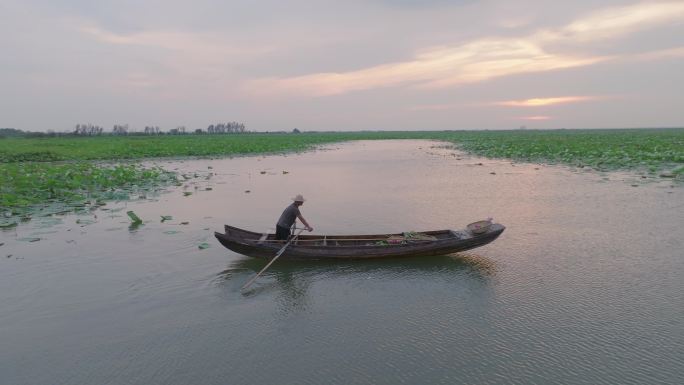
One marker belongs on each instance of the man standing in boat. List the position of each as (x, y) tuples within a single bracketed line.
[(288, 217)]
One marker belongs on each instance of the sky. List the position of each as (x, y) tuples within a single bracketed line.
[(321, 65)]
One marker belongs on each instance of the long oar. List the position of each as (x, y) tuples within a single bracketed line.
[(280, 252)]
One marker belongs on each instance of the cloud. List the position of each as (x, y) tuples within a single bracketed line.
[(538, 102), (514, 22), (176, 63), (535, 117), (481, 59), (423, 3), (473, 62), (176, 41), (533, 102), (435, 107), (660, 54), (615, 22)]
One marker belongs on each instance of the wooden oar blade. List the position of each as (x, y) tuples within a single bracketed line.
[(278, 254)]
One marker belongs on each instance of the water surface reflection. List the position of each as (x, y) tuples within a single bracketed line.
[(583, 287), (289, 281)]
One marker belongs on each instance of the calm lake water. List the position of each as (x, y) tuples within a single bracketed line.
[(584, 287)]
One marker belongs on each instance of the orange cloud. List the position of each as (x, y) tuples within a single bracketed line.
[(473, 62), (536, 117), (483, 59), (537, 102)]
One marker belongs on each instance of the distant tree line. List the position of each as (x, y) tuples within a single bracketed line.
[(226, 128), (89, 129), (122, 129), (5, 132)]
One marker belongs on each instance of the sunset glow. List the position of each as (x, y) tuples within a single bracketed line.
[(536, 102), (539, 117)]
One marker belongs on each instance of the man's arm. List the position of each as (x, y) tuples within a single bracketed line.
[(301, 218)]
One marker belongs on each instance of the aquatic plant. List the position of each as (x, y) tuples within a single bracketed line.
[(37, 183), (651, 150), (135, 220)]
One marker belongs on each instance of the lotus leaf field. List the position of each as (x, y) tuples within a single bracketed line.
[(37, 172), (44, 188)]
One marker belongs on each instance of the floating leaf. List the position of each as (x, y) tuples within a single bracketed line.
[(136, 220), (48, 222), (203, 246), (185, 223), (29, 239), (44, 232), (186, 193), (7, 225), (208, 189), (166, 218)]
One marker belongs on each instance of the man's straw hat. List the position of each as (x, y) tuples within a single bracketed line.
[(298, 198)]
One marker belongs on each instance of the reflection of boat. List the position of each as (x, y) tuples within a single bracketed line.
[(290, 283), (411, 244), (449, 266)]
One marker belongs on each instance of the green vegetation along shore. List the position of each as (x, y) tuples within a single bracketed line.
[(606, 149), (37, 171)]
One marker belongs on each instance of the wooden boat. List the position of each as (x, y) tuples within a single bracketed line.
[(440, 242)]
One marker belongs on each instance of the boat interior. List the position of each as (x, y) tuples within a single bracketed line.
[(409, 237)]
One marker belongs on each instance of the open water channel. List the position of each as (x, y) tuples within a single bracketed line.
[(585, 286)]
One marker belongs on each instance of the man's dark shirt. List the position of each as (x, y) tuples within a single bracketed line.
[(287, 219)]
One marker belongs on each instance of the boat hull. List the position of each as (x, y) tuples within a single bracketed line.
[(354, 246)]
